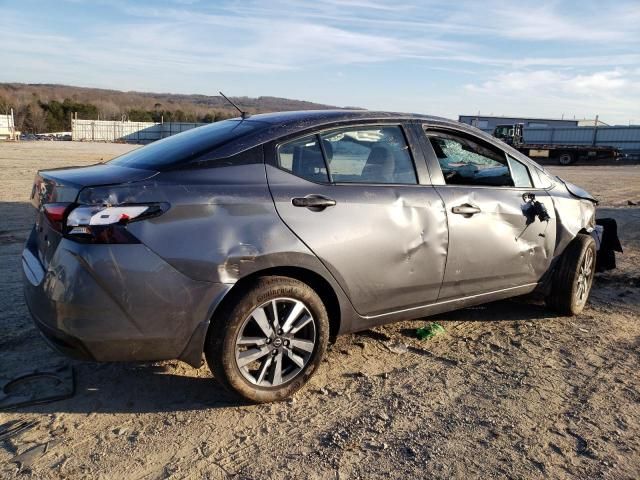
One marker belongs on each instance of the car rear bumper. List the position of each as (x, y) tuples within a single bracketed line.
[(117, 303)]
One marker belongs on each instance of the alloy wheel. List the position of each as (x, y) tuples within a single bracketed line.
[(275, 342), (585, 276)]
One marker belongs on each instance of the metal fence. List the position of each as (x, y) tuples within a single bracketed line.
[(129, 132)]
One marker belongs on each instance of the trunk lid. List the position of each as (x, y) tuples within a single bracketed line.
[(64, 184)]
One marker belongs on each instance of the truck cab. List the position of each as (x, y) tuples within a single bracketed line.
[(510, 134)]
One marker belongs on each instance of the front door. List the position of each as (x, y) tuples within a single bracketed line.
[(499, 235), (352, 196)]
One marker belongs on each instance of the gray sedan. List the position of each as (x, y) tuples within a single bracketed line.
[(257, 240)]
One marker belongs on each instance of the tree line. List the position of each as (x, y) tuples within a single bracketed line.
[(39, 116), (40, 108)]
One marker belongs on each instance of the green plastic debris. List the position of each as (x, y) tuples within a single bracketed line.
[(429, 331)]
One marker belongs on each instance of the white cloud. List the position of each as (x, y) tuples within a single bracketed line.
[(586, 22), (612, 93), (602, 84), (365, 4)]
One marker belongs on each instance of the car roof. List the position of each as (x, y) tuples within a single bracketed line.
[(283, 124), (288, 123), (311, 118), (272, 127)]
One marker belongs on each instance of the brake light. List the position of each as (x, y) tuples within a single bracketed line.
[(100, 215), (107, 224), (55, 213)]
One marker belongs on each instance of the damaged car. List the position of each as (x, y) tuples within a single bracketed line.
[(255, 241)]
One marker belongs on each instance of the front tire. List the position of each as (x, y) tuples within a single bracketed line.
[(573, 277), (270, 340)]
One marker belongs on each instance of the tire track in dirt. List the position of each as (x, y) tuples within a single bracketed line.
[(344, 400)]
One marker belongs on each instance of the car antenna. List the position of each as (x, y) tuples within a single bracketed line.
[(243, 114)]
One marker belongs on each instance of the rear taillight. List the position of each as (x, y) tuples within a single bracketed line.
[(101, 215), (55, 213), (107, 224)]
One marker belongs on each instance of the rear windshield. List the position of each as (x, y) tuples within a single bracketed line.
[(187, 146)]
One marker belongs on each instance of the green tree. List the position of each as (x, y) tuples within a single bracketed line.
[(31, 119), (5, 108), (179, 116), (58, 115), (139, 115)]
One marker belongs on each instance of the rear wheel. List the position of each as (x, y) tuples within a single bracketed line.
[(573, 277), (566, 159), (270, 341)]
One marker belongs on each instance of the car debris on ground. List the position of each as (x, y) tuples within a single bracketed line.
[(37, 386), (429, 331)]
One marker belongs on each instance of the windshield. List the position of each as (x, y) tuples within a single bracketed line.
[(187, 146)]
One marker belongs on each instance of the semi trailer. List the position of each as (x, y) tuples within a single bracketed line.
[(513, 134)]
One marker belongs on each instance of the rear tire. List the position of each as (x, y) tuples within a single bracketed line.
[(565, 159), (573, 276), (270, 340)]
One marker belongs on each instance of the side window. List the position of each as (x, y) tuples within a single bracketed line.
[(369, 155), (303, 158), (467, 162), (520, 174)]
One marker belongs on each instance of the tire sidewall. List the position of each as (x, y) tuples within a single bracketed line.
[(576, 305), (569, 159), (224, 343)]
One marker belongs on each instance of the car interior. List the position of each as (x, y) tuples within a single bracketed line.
[(372, 156), (465, 162)]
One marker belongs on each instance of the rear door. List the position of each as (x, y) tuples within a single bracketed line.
[(496, 239), (354, 196)]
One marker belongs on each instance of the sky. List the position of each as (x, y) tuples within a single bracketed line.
[(526, 58)]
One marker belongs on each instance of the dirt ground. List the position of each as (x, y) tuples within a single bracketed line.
[(509, 391)]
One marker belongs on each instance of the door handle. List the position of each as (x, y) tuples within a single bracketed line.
[(466, 210), (315, 203)]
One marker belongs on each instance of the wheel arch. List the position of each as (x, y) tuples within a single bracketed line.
[(545, 283), (322, 287), (334, 304)]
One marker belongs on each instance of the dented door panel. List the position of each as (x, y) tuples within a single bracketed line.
[(499, 247), (385, 244)]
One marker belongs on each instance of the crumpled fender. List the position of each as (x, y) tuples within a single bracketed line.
[(575, 212), (577, 191)]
